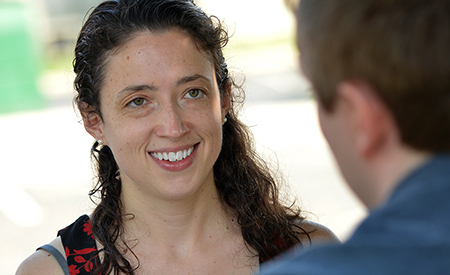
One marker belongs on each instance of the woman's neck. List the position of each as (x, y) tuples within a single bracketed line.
[(196, 234), (185, 221)]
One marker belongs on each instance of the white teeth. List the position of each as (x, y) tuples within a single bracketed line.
[(179, 155), (173, 156)]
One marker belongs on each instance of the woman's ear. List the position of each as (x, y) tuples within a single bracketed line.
[(225, 101), (92, 122)]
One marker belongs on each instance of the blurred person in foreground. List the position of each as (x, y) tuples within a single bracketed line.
[(181, 189), (380, 70)]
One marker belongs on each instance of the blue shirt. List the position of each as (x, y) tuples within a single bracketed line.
[(410, 234)]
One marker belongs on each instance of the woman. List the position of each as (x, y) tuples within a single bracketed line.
[(180, 187)]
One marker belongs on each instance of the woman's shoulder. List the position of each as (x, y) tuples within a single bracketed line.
[(42, 262), (317, 233)]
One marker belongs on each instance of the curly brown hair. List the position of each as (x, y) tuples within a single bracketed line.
[(242, 178)]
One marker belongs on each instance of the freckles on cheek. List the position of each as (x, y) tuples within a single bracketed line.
[(209, 119)]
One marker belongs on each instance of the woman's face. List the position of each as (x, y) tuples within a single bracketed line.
[(162, 115)]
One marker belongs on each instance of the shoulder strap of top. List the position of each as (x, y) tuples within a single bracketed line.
[(58, 256), (80, 247)]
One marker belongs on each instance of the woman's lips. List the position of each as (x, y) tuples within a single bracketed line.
[(173, 156), (174, 161)]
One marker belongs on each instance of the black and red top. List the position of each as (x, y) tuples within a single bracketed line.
[(80, 247)]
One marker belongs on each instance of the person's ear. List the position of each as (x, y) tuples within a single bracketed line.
[(370, 119), (93, 123), (225, 101)]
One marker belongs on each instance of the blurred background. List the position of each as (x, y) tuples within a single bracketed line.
[(44, 150)]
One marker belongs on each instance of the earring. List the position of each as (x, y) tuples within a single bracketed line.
[(225, 119), (99, 142)]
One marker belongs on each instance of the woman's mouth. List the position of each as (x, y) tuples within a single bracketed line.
[(173, 156), (177, 160)]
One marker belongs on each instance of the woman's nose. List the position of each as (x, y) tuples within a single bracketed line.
[(170, 122)]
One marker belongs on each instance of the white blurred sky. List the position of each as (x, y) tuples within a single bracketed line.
[(253, 19)]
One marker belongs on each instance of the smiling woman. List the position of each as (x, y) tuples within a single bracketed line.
[(180, 187), (172, 107)]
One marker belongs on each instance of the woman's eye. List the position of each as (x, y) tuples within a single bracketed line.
[(195, 93), (137, 102)]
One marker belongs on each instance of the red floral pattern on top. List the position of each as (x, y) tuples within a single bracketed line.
[(80, 247), (88, 228)]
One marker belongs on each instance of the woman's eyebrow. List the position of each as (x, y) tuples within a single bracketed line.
[(133, 88), (187, 79), (144, 87)]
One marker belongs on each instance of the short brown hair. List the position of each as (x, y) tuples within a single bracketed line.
[(400, 47)]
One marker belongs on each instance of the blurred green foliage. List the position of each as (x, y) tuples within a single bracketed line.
[(19, 65)]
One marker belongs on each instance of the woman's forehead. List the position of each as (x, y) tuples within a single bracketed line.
[(154, 59), (159, 46)]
